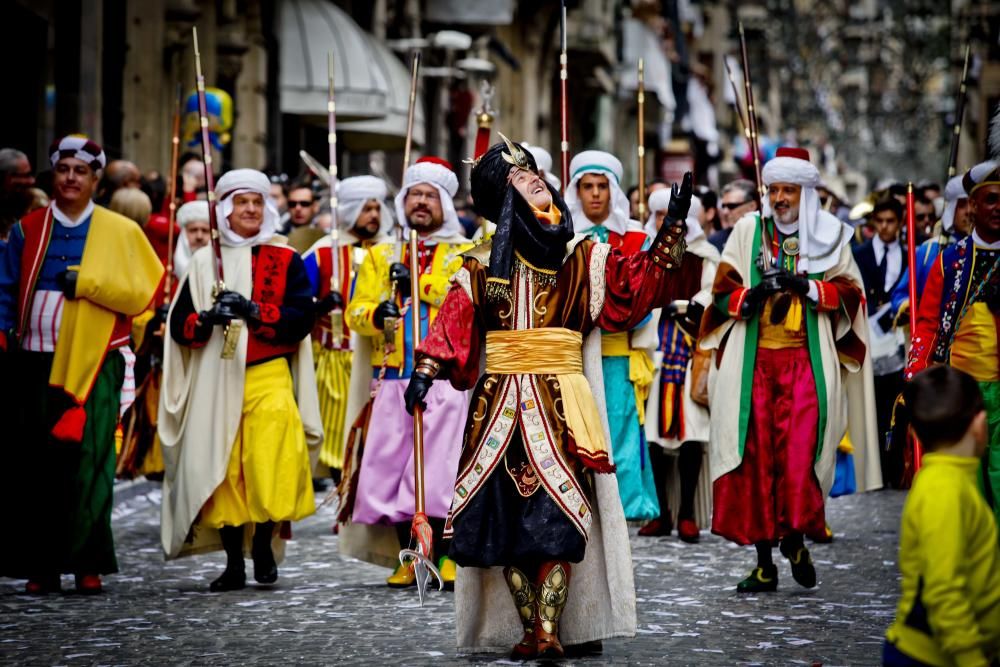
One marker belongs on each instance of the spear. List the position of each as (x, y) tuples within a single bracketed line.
[(956, 135), (232, 330), (337, 314), (172, 194), (744, 128), (641, 150), (911, 258), (423, 566), (765, 250), (563, 99)]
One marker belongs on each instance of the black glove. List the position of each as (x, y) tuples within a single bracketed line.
[(217, 315), (239, 305), (692, 318), (756, 296), (400, 274), (680, 200), (159, 316), (332, 301), (67, 282), (382, 311), (886, 321), (793, 282), (416, 391), (674, 308)]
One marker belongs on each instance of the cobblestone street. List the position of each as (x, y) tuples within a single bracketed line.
[(330, 610)]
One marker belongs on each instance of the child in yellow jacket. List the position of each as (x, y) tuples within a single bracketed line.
[(949, 611)]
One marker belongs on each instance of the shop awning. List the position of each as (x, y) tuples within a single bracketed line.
[(371, 83)]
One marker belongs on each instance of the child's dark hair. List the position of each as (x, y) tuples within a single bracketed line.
[(942, 402)]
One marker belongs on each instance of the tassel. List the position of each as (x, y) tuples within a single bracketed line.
[(69, 428), (119, 439), (793, 321)]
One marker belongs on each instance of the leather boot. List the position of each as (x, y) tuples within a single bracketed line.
[(265, 570), (552, 591), (523, 593), (235, 575)]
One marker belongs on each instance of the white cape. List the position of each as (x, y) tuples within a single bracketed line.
[(201, 403)]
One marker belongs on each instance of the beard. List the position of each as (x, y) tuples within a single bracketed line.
[(788, 216)]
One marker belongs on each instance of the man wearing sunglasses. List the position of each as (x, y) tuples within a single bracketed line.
[(302, 209), (957, 316), (737, 200)]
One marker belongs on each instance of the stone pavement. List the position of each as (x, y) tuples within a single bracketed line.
[(330, 610)]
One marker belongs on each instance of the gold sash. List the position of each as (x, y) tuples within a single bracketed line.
[(554, 351), (640, 367)]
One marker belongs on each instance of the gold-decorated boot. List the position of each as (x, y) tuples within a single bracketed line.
[(524, 599), (552, 592)]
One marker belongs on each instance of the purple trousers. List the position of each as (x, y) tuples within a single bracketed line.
[(385, 483)]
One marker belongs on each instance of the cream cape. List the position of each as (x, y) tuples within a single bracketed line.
[(850, 400), (201, 402)]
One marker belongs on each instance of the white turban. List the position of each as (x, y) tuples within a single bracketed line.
[(543, 160), (953, 191), (660, 200), (821, 235), (604, 164), (438, 173), (193, 211), (237, 182), (352, 195)]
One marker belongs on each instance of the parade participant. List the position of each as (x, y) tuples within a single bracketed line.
[(791, 349), (366, 221), (600, 210), (882, 261), (192, 218), (949, 610), (303, 207), (65, 310), (380, 500), (237, 432), (534, 503), (544, 161), (677, 413), (955, 225), (956, 318)]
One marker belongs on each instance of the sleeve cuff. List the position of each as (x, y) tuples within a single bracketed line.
[(828, 299), (269, 313), (195, 333), (736, 299)]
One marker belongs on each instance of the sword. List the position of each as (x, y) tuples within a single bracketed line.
[(956, 135), (765, 260)]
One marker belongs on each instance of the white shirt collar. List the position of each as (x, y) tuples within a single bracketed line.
[(67, 221), (980, 243), (881, 246), (787, 228)]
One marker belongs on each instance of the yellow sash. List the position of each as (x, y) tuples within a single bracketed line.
[(553, 351), (640, 367), (118, 274)]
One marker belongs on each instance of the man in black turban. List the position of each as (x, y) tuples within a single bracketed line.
[(535, 501)]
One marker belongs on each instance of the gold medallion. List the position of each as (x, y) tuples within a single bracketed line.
[(791, 246)]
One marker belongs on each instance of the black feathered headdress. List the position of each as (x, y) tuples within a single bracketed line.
[(540, 245)]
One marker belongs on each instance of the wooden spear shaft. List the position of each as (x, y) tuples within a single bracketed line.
[(336, 315), (172, 194), (641, 150), (563, 101)]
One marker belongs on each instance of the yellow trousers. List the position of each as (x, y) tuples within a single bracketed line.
[(268, 477), (333, 381)]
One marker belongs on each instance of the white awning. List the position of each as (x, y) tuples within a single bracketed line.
[(371, 84)]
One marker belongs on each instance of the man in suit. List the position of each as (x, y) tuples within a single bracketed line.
[(882, 262)]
